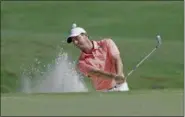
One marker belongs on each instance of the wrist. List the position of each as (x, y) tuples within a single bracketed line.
[(119, 78)]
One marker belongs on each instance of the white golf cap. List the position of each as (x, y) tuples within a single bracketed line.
[(75, 31)]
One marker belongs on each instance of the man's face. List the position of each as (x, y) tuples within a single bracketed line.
[(80, 41)]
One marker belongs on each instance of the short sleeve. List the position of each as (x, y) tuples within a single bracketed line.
[(112, 48), (84, 68)]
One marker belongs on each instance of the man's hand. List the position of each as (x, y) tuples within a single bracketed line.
[(119, 79)]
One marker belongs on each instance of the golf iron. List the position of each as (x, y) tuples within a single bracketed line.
[(159, 42)]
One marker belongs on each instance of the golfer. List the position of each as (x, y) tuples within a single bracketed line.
[(99, 60)]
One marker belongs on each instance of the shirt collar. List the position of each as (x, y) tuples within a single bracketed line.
[(95, 46)]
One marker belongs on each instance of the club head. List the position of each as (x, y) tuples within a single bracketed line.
[(159, 42)]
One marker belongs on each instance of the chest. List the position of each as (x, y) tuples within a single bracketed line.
[(98, 58)]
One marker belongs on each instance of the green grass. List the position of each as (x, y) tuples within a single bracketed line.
[(34, 29), (134, 103)]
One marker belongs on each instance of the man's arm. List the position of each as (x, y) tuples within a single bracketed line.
[(115, 54), (90, 71), (118, 65), (106, 75)]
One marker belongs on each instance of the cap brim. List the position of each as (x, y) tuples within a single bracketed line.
[(69, 40)]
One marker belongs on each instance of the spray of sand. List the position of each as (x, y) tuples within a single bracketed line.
[(60, 76)]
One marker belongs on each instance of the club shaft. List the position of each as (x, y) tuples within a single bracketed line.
[(140, 63)]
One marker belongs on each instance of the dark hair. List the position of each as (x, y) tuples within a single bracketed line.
[(85, 34)]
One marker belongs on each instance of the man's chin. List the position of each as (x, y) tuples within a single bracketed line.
[(81, 47)]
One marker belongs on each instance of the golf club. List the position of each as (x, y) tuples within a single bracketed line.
[(159, 42)]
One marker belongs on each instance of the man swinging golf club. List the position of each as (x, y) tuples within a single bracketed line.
[(99, 60)]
